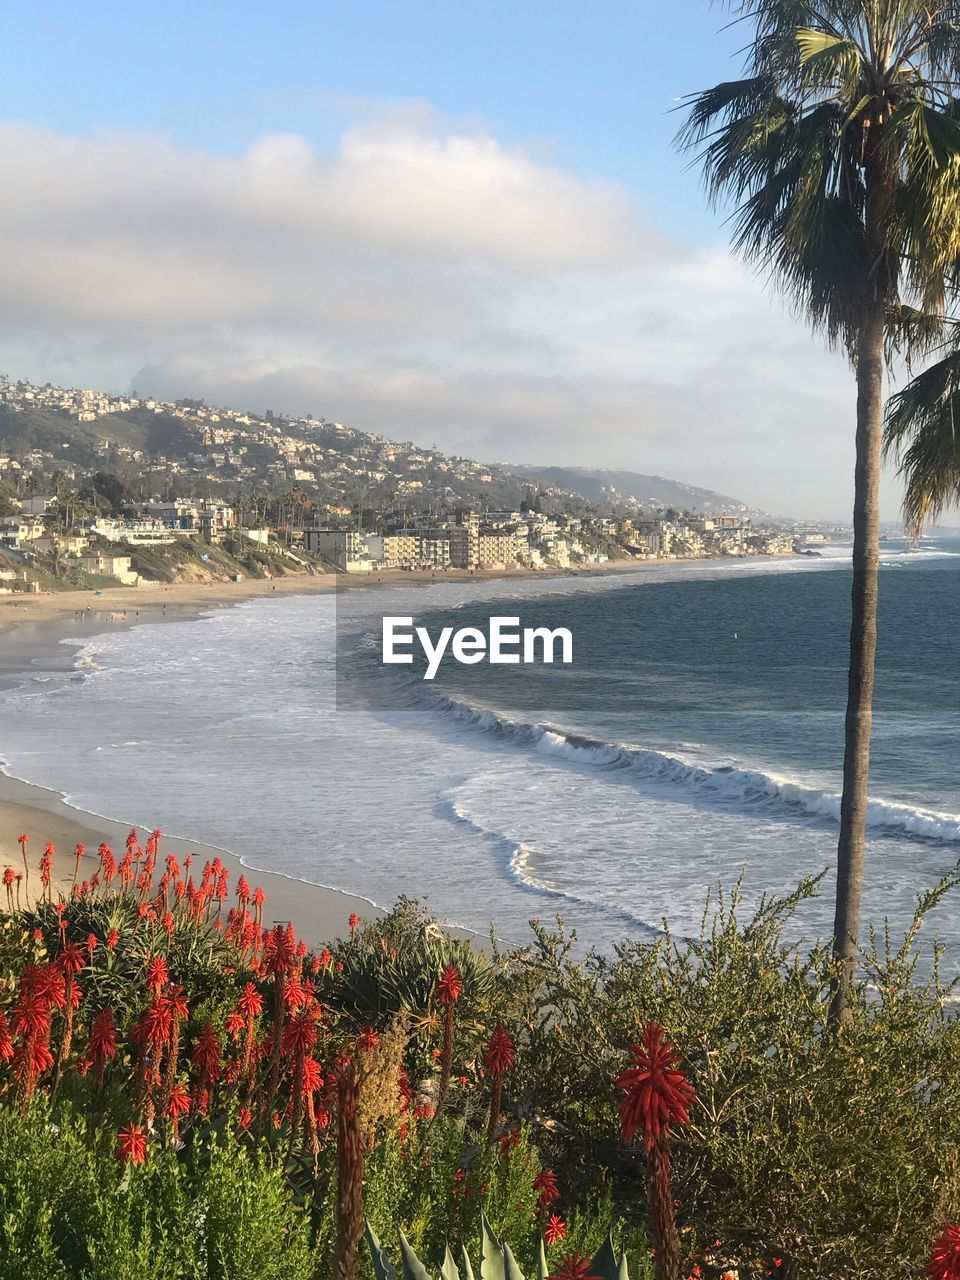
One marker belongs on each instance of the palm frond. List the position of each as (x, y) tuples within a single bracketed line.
[(923, 432), (830, 84)]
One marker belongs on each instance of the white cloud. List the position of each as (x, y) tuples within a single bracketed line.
[(421, 281)]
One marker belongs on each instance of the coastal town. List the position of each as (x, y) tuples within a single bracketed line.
[(99, 489)]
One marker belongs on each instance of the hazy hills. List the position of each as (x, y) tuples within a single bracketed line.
[(630, 488)]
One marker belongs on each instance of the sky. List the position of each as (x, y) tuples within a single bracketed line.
[(463, 224)]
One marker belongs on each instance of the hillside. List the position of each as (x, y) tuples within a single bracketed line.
[(190, 448), (629, 488)]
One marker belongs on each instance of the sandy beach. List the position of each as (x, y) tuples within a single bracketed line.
[(31, 631)]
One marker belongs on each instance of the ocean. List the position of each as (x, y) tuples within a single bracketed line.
[(695, 740)]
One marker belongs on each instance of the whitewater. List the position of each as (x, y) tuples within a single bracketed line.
[(616, 799)]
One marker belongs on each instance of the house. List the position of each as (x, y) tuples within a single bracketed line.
[(36, 505), (345, 549), (110, 567)]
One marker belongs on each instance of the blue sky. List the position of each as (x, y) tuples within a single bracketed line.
[(595, 85), (517, 259)]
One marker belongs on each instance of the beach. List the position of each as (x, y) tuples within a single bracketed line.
[(33, 629)]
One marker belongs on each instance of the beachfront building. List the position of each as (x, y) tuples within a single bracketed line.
[(434, 549), (137, 532), (345, 549), (400, 550), (464, 539), (110, 566), (498, 551)]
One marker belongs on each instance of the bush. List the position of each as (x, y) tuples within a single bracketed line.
[(69, 1210), (804, 1146)]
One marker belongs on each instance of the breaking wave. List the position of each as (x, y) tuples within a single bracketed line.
[(728, 786)]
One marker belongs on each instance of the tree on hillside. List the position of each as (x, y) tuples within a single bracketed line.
[(107, 489), (840, 150)]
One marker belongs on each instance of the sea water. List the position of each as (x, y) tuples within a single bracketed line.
[(695, 739)]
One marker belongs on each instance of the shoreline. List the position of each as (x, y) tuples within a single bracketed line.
[(33, 630)]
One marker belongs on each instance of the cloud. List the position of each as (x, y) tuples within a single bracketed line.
[(420, 280)]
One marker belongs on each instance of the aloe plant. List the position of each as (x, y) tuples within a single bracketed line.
[(497, 1261)]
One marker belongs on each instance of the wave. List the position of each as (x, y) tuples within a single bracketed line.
[(731, 786), (517, 857)]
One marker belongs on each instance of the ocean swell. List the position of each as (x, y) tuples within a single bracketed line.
[(726, 785)]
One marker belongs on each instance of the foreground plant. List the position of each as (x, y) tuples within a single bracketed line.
[(497, 1260), (655, 1097)]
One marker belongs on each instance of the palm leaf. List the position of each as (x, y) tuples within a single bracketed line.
[(923, 432)]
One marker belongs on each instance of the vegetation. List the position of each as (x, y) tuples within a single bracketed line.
[(186, 1093), (189, 560), (841, 151)]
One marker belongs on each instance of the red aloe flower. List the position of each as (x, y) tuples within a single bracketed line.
[(78, 853), (153, 1029), (279, 951), (546, 1183), (312, 1076), (500, 1053), (175, 1003), (46, 864), (655, 1096), (572, 1267), (499, 1056), (353, 922), (447, 993), (103, 1042), (30, 1016), (244, 1119), (300, 1033), (449, 987), (944, 1261), (555, 1231), (72, 959), (655, 1093), (243, 891), (250, 1002), (132, 1145), (250, 1005), (206, 1052), (158, 975), (206, 1058), (113, 937), (178, 1105), (51, 986)]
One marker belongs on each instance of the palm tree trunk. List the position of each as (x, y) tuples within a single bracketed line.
[(863, 648)]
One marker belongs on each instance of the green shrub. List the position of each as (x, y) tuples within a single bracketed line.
[(803, 1146)]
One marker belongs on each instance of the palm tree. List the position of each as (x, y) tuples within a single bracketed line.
[(840, 150)]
